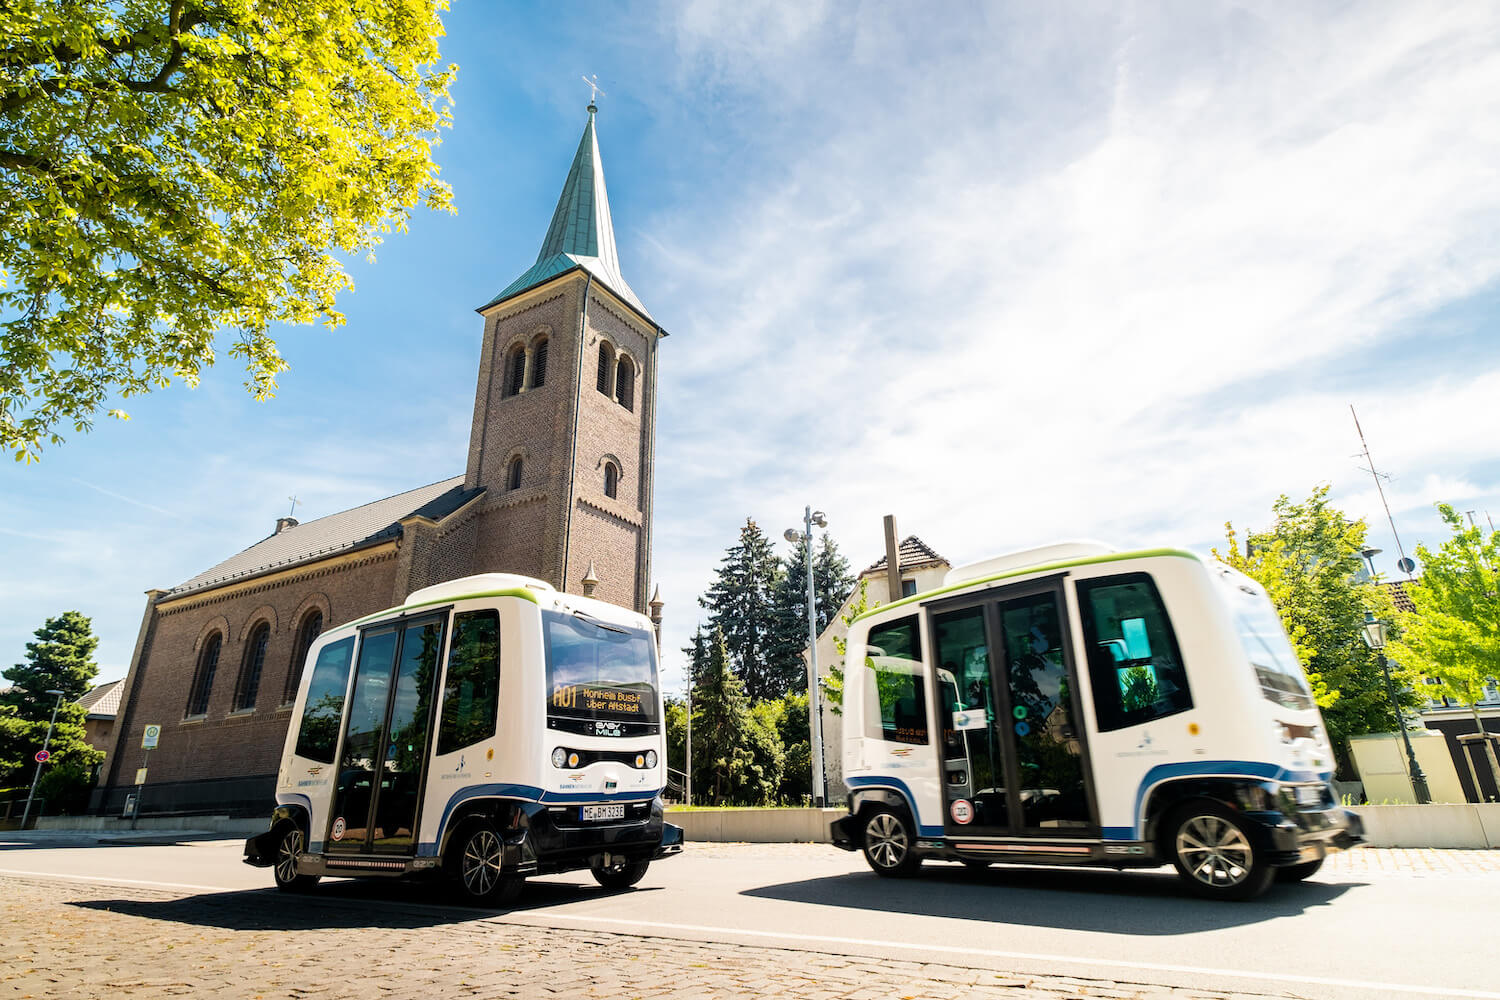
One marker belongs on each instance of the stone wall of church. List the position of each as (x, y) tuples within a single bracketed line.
[(608, 530), (532, 425), (226, 760)]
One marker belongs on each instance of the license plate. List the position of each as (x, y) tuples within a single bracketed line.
[(616, 811), (1309, 795)]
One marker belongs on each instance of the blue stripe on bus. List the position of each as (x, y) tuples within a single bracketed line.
[(1210, 768), (911, 800)]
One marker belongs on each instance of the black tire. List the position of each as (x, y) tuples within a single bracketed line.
[(1300, 872), (622, 875), (1215, 855), (889, 844), (478, 867), (289, 847)]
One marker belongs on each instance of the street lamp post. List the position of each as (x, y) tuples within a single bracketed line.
[(814, 702), (1373, 632), (41, 757)]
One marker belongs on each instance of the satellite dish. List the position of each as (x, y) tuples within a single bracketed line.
[(1406, 565)]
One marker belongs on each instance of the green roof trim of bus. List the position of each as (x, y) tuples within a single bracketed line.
[(1027, 571), (521, 592)]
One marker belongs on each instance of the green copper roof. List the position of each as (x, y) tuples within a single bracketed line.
[(581, 234)]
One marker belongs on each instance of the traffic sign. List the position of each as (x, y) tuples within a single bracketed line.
[(42, 756), (150, 737)]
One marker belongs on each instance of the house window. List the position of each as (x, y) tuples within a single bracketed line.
[(625, 384), (515, 370), (611, 480), (250, 670), (908, 588), (312, 627), (513, 476), (539, 364), (203, 677), (606, 368)]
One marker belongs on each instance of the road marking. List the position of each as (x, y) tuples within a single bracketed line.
[(546, 918), (110, 879), (1280, 977)]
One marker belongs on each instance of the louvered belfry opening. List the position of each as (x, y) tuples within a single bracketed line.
[(515, 367), (625, 384), (539, 364), (606, 366)]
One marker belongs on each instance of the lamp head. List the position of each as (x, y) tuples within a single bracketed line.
[(1373, 632), (792, 535), (820, 519), (55, 692)]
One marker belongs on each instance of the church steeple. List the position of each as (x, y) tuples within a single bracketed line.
[(581, 233)]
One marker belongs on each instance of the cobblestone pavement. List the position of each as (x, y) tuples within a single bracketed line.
[(72, 939)]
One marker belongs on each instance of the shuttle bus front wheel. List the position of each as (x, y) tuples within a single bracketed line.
[(478, 866), (621, 874), (888, 845), (1213, 853), (289, 847)]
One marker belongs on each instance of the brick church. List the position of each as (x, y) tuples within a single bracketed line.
[(557, 486)]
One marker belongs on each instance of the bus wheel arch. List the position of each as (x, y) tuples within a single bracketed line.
[(476, 861), (290, 843), (1234, 794)]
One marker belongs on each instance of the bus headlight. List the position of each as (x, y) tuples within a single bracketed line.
[(640, 760), (573, 759), (559, 757), (650, 758)]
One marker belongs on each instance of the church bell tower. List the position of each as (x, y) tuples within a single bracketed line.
[(563, 438)]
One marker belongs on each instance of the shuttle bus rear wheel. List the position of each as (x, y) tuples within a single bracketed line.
[(289, 848), (888, 845), (621, 874), (478, 866), (1214, 855)]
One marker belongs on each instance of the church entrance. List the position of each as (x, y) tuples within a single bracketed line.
[(382, 768)]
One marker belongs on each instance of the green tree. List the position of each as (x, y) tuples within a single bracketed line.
[(741, 604), (793, 731), (171, 169), (721, 721), (1309, 562), (60, 659), (1453, 635), (832, 583)]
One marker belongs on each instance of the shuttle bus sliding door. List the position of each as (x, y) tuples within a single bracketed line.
[(386, 738), (1017, 720)]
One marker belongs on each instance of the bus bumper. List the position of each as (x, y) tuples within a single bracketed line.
[(671, 842), (1295, 833), (844, 833), (260, 850)]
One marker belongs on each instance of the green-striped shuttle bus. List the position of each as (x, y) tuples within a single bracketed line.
[(488, 729), (1078, 705)]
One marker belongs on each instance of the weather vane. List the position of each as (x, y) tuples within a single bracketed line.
[(594, 90)]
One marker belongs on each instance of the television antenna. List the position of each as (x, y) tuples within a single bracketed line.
[(1404, 564)]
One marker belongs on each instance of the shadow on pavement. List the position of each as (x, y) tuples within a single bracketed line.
[(1129, 902), (343, 904)]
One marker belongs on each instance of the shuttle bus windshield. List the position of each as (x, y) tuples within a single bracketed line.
[(601, 678)]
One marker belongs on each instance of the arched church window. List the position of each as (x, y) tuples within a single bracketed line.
[(515, 370), (611, 480), (606, 367), (312, 627), (251, 669), (203, 677), (625, 384), (513, 475), (539, 364)]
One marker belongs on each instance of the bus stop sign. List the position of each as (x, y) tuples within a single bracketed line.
[(150, 737)]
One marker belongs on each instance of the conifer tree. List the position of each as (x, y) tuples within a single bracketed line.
[(741, 604), (721, 715), (832, 584), (61, 659)]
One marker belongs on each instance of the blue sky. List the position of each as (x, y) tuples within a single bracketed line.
[(1016, 274)]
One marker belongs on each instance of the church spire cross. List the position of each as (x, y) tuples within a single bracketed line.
[(594, 92)]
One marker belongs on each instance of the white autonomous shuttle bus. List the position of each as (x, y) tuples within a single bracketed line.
[(1078, 705), (488, 729)]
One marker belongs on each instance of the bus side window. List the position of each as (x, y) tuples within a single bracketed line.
[(324, 708), (471, 694), (1135, 668), (899, 688)]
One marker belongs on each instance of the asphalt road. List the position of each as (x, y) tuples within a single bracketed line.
[(1396, 924)]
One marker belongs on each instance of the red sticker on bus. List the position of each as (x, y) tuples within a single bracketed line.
[(962, 811)]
